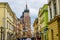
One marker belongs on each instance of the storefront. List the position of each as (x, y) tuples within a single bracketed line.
[(10, 36)]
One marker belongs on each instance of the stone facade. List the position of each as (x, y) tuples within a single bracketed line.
[(7, 22), (54, 20), (35, 27), (54, 29)]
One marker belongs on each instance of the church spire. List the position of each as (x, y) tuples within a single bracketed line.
[(26, 9), (26, 6)]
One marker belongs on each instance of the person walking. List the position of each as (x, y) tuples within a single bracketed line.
[(28, 39)]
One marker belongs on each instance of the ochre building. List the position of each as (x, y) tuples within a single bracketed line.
[(54, 20), (7, 22)]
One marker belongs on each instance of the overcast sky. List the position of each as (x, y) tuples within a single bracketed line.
[(18, 7)]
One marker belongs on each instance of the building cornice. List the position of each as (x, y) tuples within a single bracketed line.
[(6, 5), (54, 19)]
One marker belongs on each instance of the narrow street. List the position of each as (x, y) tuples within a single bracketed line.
[(26, 39), (29, 19), (29, 39)]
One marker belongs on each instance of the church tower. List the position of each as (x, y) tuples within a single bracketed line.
[(26, 22)]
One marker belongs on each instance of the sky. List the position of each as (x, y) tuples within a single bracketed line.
[(18, 7)]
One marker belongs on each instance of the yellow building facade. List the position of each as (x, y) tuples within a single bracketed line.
[(53, 31), (21, 29), (35, 25), (7, 22), (39, 25), (54, 20)]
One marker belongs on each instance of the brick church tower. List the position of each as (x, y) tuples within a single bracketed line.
[(26, 23)]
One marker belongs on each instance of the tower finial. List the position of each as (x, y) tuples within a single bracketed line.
[(26, 5), (26, 9)]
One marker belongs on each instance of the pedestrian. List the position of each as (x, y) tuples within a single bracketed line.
[(28, 39), (18, 39), (32, 38)]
